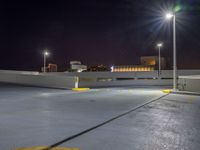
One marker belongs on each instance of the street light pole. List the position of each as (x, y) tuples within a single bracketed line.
[(159, 60), (44, 68), (169, 16), (174, 54), (45, 55)]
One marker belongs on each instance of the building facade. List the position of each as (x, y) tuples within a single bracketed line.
[(147, 63), (76, 66)]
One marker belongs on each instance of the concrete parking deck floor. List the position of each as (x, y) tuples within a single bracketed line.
[(37, 116), (171, 123)]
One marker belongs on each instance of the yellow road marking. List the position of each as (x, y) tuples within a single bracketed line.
[(80, 89), (167, 91)]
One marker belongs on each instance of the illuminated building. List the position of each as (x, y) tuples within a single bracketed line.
[(148, 63), (153, 61), (50, 68), (130, 68)]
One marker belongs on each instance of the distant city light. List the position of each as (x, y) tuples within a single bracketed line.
[(132, 68), (112, 68)]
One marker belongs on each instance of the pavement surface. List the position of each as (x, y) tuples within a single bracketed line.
[(31, 116)]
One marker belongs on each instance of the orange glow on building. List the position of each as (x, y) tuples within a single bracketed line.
[(132, 68)]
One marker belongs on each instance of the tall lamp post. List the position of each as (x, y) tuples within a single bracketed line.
[(45, 53), (159, 45), (173, 16)]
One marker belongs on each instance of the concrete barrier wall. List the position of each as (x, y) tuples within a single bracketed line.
[(141, 82), (19, 72), (37, 79), (100, 79), (113, 74), (189, 83), (91, 79), (141, 74)]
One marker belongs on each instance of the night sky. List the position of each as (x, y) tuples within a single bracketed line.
[(109, 32)]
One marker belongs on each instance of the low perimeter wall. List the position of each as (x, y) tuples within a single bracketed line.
[(189, 83), (70, 80), (37, 79), (140, 82), (138, 78)]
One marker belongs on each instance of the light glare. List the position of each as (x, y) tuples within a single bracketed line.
[(159, 44), (46, 53), (169, 15)]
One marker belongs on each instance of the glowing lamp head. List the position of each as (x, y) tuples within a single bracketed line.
[(159, 44), (169, 15), (46, 53)]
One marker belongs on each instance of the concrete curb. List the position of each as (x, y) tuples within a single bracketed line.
[(185, 93)]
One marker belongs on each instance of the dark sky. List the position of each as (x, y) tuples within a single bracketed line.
[(110, 32)]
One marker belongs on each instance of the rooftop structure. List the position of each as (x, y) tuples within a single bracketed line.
[(153, 61), (50, 68), (76, 66)]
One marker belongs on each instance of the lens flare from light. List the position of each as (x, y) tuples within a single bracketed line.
[(169, 15)]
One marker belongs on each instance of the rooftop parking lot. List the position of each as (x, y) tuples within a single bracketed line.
[(146, 118)]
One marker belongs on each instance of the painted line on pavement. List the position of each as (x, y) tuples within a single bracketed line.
[(101, 124)]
